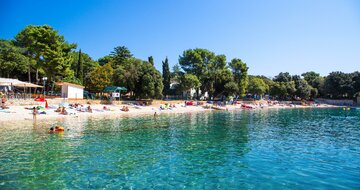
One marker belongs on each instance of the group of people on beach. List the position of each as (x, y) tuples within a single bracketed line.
[(81, 108), (78, 107), (167, 106), (62, 110)]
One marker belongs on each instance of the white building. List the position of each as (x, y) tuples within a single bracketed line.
[(71, 91), (189, 93), (192, 93)]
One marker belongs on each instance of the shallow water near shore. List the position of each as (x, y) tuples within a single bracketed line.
[(252, 149)]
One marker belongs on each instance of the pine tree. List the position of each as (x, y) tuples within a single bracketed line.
[(166, 77), (80, 73), (151, 60)]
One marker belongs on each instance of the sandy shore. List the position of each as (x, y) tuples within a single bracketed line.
[(20, 114), (16, 115)]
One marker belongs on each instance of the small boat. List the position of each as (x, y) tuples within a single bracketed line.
[(218, 108), (207, 106), (247, 106)]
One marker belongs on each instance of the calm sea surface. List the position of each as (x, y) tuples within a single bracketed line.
[(261, 149)]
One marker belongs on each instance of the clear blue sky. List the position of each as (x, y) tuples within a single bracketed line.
[(270, 36)]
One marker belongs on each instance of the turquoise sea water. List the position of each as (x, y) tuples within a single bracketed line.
[(261, 149)]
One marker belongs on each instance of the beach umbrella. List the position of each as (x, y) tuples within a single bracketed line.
[(63, 104)]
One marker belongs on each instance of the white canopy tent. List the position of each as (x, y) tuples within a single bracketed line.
[(10, 83), (17, 83)]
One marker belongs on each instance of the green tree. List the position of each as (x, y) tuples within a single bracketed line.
[(319, 84), (48, 49), (80, 69), (304, 90), (239, 70), (268, 82), (140, 78), (159, 86), (231, 88), (196, 62), (175, 74), (150, 83), (12, 62), (278, 89), (72, 79), (151, 60), (283, 77), (356, 83), (99, 78), (339, 85), (314, 93), (120, 55), (147, 86), (131, 74), (310, 77), (216, 76), (88, 64), (290, 88), (283, 90), (175, 80), (104, 60), (257, 86), (189, 81), (166, 76)]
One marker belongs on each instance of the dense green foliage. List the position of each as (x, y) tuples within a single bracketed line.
[(119, 56), (12, 60), (48, 50), (188, 81), (213, 72), (40, 51), (100, 78), (257, 86), (80, 68), (239, 70)]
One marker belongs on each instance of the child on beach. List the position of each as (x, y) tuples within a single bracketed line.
[(34, 112), (3, 100), (89, 109)]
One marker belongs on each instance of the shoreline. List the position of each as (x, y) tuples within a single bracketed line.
[(17, 115)]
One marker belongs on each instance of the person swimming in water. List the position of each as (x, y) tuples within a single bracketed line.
[(56, 129)]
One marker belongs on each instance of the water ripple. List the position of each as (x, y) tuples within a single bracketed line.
[(252, 149)]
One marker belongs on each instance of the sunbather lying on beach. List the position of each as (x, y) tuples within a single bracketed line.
[(63, 111), (125, 108), (58, 109)]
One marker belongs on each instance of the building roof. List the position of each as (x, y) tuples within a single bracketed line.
[(114, 88), (69, 84)]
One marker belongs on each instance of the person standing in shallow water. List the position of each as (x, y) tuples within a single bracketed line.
[(34, 112)]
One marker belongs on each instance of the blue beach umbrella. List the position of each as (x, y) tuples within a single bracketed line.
[(63, 104)]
